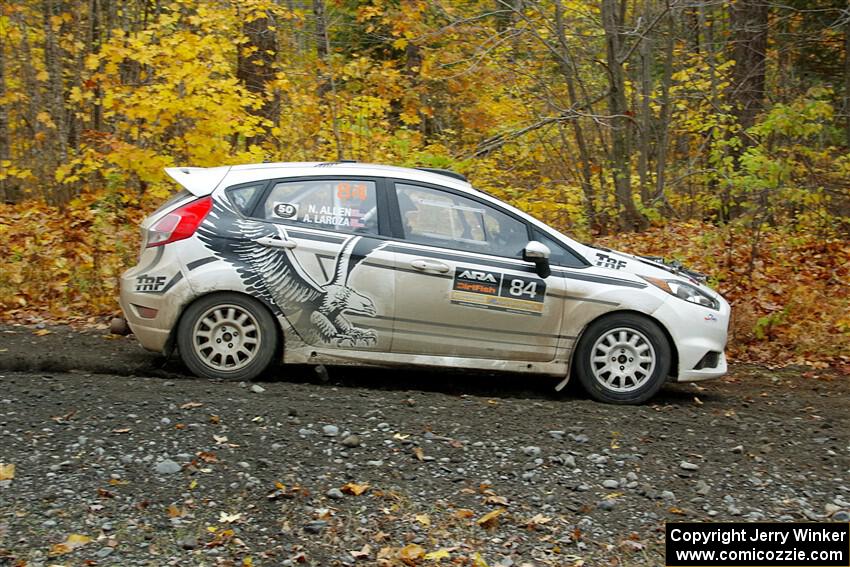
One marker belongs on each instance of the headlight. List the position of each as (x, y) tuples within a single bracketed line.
[(685, 291)]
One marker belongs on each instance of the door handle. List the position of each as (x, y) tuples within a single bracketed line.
[(276, 242), (427, 265)]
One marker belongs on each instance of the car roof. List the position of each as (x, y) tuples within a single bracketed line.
[(252, 172)]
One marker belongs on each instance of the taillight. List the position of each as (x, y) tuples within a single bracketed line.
[(180, 223)]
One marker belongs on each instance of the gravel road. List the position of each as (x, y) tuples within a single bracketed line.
[(121, 458)]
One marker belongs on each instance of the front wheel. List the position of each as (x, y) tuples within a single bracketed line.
[(227, 336), (622, 359)]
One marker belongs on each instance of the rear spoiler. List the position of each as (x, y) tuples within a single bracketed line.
[(199, 181)]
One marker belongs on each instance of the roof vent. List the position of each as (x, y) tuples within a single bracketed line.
[(330, 163), (446, 172)]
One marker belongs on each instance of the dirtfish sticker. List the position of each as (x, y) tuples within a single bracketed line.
[(606, 261), (494, 290)]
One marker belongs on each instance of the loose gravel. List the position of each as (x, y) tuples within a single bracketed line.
[(152, 466)]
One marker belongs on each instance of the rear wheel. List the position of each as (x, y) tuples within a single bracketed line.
[(227, 336), (622, 359)]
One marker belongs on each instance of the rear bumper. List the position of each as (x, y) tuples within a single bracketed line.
[(152, 299)]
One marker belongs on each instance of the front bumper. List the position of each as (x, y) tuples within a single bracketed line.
[(699, 335)]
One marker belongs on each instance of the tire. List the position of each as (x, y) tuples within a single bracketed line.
[(227, 336), (640, 354)]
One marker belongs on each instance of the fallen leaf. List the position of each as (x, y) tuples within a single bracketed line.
[(354, 488), (489, 519), (42, 332), (411, 552), (207, 457), (220, 439), (464, 513), (72, 542), (697, 401), (538, 520), (103, 493), (478, 561), (228, 518), (493, 499), (364, 553), (423, 519), (190, 405), (420, 454), (7, 472), (121, 430), (437, 555)]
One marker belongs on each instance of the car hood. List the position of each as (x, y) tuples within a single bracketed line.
[(652, 266)]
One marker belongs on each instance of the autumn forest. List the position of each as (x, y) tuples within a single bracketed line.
[(709, 131)]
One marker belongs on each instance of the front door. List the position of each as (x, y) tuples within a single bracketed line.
[(462, 288)]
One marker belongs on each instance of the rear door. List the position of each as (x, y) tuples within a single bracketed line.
[(462, 288), (337, 292)]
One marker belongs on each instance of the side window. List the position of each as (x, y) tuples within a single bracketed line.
[(561, 256), (242, 197), (439, 218), (329, 204)]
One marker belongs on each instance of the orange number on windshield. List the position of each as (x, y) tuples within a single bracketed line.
[(345, 191)]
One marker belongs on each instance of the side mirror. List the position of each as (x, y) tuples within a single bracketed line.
[(538, 253)]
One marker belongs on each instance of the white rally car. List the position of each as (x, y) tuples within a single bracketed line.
[(351, 263)]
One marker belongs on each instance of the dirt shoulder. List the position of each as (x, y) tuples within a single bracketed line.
[(161, 468)]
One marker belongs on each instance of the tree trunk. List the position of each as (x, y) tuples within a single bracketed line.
[(665, 113), (847, 77), (749, 32), (646, 122), (568, 71), (255, 67), (56, 100), (4, 120), (630, 217), (327, 84)]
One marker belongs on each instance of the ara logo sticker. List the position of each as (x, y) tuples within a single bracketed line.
[(477, 281), (710, 317), (285, 210), (149, 283), (606, 261), (477, 276), (497, 291)]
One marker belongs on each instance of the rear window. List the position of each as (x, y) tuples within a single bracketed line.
[(243, 197)]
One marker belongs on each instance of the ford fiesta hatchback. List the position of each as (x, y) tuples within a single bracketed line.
[(351, 263)]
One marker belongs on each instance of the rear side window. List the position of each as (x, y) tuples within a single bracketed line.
[(243, 197), (342, 205), (439, 218)]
